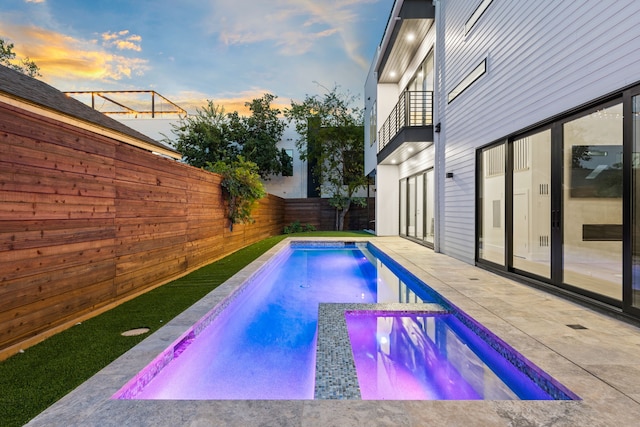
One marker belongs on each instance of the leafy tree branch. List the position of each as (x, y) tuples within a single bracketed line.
[(242, 188), (332, 139), (8, 59)]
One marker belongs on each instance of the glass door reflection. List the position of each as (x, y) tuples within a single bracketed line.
[(592, 202)]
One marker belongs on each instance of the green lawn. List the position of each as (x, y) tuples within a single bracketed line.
[(32, 381)]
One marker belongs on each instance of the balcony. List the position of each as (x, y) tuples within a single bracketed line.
[(411, 120)]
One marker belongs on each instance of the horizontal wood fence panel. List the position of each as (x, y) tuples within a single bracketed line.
[(57, 158), (318, 212), (39, 288), (49, 132), (87, 222), (64, 308)]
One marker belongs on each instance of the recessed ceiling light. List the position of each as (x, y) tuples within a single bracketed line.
[(392, 74), (410, 149), (411, 37), (393, 162)]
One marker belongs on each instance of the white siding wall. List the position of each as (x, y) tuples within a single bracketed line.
[(387, 201), (543, 58), (290, 187), (388, 94), (370, 99)]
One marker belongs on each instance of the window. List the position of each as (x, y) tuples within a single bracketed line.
[(476, 15), (474, 75), (373, 124), (287, 161)]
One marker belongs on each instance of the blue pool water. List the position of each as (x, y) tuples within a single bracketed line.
[(263, 344), (431, 357)]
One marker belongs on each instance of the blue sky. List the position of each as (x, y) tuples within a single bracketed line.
[(229, 51)]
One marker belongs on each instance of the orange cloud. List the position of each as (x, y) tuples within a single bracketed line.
[(122, 40), (62, 57), (191, 101)]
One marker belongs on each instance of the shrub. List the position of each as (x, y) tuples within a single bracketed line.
[(242, 188), (296, 227)]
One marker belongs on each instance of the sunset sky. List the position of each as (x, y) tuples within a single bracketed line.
[(229, 51)]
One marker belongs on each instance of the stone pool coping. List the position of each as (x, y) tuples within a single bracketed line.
[(600, 363)]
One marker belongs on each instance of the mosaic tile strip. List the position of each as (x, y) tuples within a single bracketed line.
[(336, 376), (324, 244), (551, 386)]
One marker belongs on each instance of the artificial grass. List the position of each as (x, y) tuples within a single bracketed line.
[(32, 381)]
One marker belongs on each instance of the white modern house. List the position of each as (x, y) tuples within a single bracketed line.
[(506, 134)]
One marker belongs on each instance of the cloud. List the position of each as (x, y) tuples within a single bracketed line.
[(122, 40), (294, 26), (231, 101), (34, 1), (65, 58)]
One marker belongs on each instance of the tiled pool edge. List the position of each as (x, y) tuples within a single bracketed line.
[(336, 376)]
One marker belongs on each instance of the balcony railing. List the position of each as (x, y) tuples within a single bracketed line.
[(414, 108)]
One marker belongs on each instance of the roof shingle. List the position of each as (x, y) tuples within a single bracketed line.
[(35, 91)]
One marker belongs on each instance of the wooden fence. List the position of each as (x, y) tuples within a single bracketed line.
[(87, 222), (322, 216)]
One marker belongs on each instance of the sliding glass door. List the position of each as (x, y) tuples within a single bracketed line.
[(430, 225), (491, 224), (551, 204), (531, 198), (592, 202), (635, 204), (417, 207)]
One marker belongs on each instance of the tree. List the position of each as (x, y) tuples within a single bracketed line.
[(8, 59), (332, 139), (259, 134), (242, 188), (211, 135), (203, 138)]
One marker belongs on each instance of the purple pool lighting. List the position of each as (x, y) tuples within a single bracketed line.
[(428, 356), (260, 342), (263, 345)]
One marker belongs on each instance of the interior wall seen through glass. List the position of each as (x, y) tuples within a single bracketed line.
[(592, 202), (532, 204), (419, 206), (403, 207), (491, 231), (411, 218), (429, 208)]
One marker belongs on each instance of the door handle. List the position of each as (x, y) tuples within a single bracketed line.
[(555, 219)]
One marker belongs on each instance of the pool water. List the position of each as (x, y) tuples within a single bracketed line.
[(262, 345), (430, 357)]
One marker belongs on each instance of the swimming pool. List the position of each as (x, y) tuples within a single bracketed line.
[(261, 342)]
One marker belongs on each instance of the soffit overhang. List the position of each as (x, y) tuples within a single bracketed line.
[(408, 25)]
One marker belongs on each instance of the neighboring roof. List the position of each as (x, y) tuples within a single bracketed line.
[(37, 92)]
